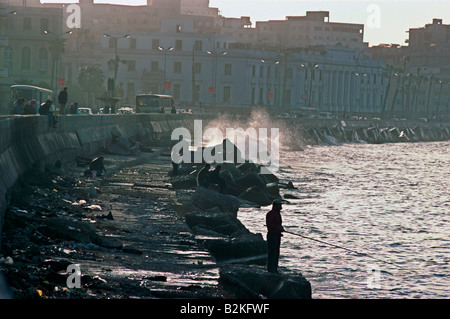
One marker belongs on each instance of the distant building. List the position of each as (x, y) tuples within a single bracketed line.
[(27, 54)]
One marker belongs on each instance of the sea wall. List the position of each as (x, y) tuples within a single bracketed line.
[(28, 142), (333, 132)]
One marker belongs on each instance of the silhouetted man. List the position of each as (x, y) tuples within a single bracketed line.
[(274, 230)]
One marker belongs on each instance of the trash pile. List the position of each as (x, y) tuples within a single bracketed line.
[(51, 222)]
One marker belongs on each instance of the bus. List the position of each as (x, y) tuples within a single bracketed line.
[(29, 92), (153, 103)]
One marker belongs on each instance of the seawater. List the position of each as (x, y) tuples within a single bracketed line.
[(389, 201)]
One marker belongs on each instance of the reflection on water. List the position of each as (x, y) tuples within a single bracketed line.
[(391, 201)]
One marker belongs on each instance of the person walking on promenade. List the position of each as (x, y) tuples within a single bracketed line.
[(274, 233), (62, 100)]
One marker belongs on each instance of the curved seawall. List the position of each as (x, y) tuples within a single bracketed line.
[(28, 142)]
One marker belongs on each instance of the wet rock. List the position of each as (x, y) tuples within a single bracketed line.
[(254, 282), (205, 199), (214, 220), (290, 196), (238, 248), (255, 195), (131, 250), (188, 181), (107, 242), (67, 229)]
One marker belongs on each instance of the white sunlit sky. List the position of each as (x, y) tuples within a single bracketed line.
[(385, 21)]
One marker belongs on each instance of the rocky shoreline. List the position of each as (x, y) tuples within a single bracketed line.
[(136, 232)]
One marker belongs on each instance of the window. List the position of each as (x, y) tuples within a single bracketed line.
[(289, 73), (44, 24), (178, 45), (226, 94), (8, 61), (261, 71), (43, 60), (131, 65), (198, 45), (197, 68), (155, 44), (177, 67), (132, 43), (228, 68), (155, 66), (26, 59), (26, 24)]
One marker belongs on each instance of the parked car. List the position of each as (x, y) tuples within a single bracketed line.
[(324, 115), (84, 110)]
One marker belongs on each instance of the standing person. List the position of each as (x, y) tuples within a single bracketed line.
[(19, 106), (62, 100), (73, 108), (274, 230)]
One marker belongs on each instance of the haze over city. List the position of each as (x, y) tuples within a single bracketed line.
[(385, 21)]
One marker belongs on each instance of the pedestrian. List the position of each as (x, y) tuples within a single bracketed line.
[(202, 177), (97, 167), (73, 108), (173, 110), (18, 107), (44, 109), (62, 100), (30, 108), (274, 234)]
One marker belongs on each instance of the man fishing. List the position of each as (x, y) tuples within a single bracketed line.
[(274, 230)]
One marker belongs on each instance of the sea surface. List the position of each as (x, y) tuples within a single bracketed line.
[(389, 202)]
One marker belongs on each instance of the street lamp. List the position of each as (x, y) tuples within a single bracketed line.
[(312, 67), (165, 63), (215, 54), (116, 58), (58, 48), (272, 77)]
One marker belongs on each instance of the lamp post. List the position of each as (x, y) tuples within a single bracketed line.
[(56, 50), (116, 59), (311, 66), (215, 54), (165, 64), (275, 63)]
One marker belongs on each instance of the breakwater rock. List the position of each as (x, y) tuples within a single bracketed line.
[(335, 132), (212, 215)]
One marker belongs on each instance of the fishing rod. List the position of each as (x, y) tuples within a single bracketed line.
[(349, 250)]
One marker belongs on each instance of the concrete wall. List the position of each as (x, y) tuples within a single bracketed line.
[(28, 141)]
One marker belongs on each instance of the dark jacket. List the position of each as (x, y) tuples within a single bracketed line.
[(274, 222), (62, 97)]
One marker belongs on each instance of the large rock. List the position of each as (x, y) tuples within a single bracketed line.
[(205, 199), (253, 282), (248, 248), (255, 195), (215, 220)]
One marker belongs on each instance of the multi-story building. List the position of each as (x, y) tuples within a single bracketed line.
[(310, 30), (29, 46), (186, 49)]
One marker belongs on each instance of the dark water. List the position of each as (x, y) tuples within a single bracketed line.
[(391, 201)]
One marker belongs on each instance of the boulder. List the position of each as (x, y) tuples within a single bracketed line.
[(188, 181), (205, 198), (214, 220), (255, 195), (253, 282), (248, 248)]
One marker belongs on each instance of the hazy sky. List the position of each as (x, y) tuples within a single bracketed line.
[(385, 21)]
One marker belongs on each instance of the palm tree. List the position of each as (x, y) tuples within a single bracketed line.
[(91, 79)]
